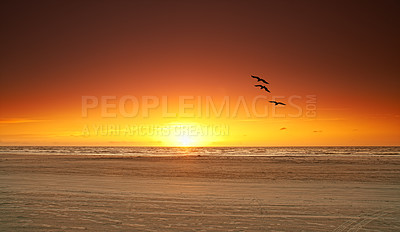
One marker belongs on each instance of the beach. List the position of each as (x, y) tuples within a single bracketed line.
[(59, 192)]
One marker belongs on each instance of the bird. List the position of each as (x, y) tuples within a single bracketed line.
[(277, 103), (259, 79), (266, 89), (263, 87)]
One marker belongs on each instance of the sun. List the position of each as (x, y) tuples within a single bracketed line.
[(185, 141), (186, 134)]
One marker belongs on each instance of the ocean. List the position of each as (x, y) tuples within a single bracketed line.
[(206, 151)]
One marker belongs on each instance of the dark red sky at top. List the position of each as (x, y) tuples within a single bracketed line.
[(53, 52)]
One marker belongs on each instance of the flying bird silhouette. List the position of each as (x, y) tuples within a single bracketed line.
[(263, 87), (277, 103), (266, 89), (259, 79)]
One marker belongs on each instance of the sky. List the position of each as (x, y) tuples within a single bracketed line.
[(334, 63)]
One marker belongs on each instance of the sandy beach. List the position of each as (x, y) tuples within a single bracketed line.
[(202, 193)]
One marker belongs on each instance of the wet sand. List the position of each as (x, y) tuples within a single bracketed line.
[(115, 193)]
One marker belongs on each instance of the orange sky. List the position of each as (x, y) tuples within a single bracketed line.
[(346, 54)]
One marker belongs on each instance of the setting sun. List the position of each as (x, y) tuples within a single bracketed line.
[(185, 141)]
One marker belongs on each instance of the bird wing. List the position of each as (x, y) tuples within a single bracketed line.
[(272, 101), (264, 81), (258, 86)]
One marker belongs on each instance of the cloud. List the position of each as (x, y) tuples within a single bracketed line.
[(334, 109), (250, 120), (283, 128), (381, 116), (19, 120), (26, 135), (324, 119)]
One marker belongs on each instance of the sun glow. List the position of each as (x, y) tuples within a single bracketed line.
[(185, 141), (186, 135)]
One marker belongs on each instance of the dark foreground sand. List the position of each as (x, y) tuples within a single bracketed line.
[(103, 193)]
